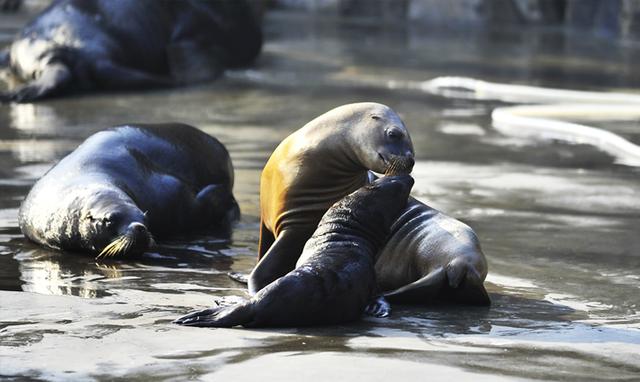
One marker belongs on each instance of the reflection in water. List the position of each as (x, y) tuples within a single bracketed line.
[(32, 118), (52, 273)]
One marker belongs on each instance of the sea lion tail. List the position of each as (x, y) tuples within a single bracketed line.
[(220, 317)]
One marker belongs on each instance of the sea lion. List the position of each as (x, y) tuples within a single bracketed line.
[(104, 44), (316, 166), (334, 278), (431, 256), (126, 183)]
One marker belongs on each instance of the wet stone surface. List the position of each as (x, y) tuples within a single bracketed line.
[(558, 223)]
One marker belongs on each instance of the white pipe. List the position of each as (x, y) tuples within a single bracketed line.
[(469, 88), (535, 121), (541, 121)]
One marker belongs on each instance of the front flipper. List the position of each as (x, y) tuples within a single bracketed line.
[(280, 259), (379, 307), (54, 79), (219, 317), (266, 240)]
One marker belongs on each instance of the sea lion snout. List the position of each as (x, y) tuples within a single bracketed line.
[(134, 240), (393, 188), (402, 184), (141, 236), (137, 229), (399, 164)]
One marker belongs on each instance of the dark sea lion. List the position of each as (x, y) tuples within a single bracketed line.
[(10, 5), (334, 278), (316, 166), (126, 183), (105, 44), (431, 256)]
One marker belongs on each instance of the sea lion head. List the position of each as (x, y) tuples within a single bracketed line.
[(382, 142), (387, 196), (113, 226), (373, 208)]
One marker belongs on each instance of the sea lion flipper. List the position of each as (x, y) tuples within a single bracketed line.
[(379, 307), (471, 291), (217, 202), (266, 240), (280, 259), (116, 77), (191, 62), (219, 317), (421, 290)]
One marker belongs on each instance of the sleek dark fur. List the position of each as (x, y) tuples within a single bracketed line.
[(124, 184), (334, 278), (123, 44)]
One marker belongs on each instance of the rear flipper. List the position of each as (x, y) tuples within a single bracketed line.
[(421, 290), (470, 291), (379, 307), (112, 76), (442, 285), (217, 204), (55, 79), (191, 62), (220, 317)]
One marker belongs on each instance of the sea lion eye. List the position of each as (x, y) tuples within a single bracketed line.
[(376, 117)]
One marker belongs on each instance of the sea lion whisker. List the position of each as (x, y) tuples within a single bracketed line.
[(123, 246), (112, 248)]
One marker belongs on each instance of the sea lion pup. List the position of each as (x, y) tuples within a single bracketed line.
[(316, 166), (431, 256), (126, 183), (78, 45), (334, 278)]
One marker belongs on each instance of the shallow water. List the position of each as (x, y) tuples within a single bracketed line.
[(558, 222)]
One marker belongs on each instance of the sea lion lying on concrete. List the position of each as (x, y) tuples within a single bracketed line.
[(124, 184), (77, 45)]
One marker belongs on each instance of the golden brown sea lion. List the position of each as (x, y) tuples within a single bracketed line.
[(316, 166)]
